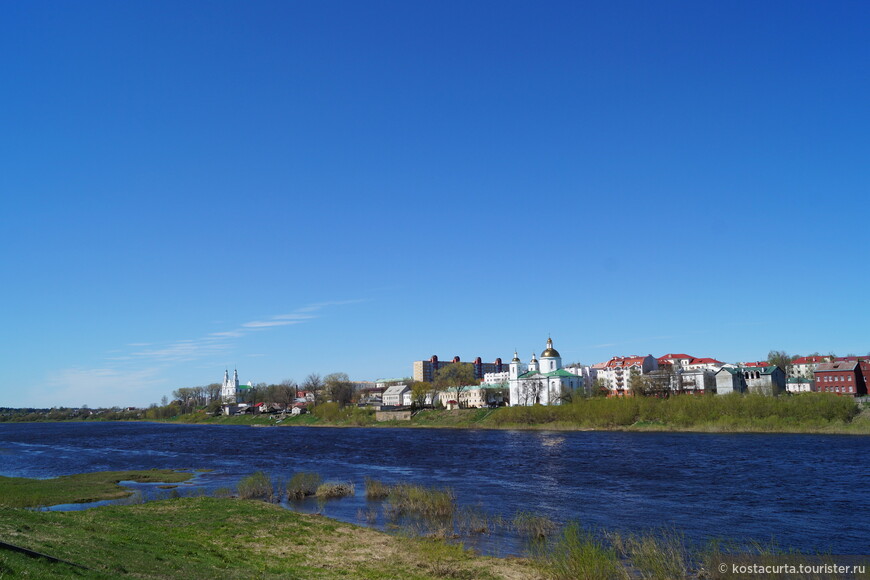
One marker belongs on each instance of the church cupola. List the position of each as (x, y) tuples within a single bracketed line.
[(550, 358), (533, 364), (515, 367)]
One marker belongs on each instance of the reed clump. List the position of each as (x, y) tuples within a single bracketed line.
[(419, 500), (303, 484), (376, 489), (258, 485), (578, 553), (333, 490), (658, 554), (533, 526)]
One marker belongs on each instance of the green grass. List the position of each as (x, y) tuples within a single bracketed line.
[(226, 538), (803, 413), (578, 553), (79, 488)]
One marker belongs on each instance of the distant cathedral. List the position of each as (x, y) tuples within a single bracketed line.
[(230, 390)]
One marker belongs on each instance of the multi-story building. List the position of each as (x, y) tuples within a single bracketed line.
[(805, 366), (616, 373), (843, 377), (496, 378), (424, 370)]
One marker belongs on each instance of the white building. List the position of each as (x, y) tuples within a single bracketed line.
[(395, 396), (544, 382), (230, 389), (496, 378), (616, 373), (473, 396)]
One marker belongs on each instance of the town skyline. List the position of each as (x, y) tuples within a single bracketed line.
[(297, 188)]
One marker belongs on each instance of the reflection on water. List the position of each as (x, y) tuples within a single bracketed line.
[(708, 485)]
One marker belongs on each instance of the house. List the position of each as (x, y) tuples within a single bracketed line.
[(473, 396), (843, 377), (764, 380), (805, 366), (394, 396)]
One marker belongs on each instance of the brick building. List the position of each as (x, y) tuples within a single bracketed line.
[(843, 378), (424, 370)]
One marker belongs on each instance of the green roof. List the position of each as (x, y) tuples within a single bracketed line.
[(556, 373)]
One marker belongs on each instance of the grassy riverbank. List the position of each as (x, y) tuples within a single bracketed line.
[(805, 413), (228, 538), (207, 537), (79, 488)]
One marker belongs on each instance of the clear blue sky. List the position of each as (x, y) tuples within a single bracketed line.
[(297, 187)]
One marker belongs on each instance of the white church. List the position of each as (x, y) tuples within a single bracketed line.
[(231, 390), (544, 382)]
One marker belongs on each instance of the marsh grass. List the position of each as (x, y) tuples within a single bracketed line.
[(303, 484), (656, 555), (223, 492), (472, 521), (258, 485), (533, 526), (419, 500), (578, 553), (376, 489), (333, 490)]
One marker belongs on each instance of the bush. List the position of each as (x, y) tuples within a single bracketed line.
[(303, 484), (334, 490), (258, 485)]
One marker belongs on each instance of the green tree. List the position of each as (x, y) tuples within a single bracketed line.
[(638, 384), (338, 388), (419, 391), (455, 375), (781, 359)]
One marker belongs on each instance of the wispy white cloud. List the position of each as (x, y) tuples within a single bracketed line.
[(184, 350), (104, 387), (268, 323)]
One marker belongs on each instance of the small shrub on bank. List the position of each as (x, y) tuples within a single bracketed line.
[(258, 485), (303, 484), (330, 490)]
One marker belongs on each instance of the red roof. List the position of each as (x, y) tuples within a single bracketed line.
[(625, 361), (805, 360), (706, 361), (670, 357), (763, 363)]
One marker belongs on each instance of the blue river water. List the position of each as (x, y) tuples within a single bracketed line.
[(807, 492)]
